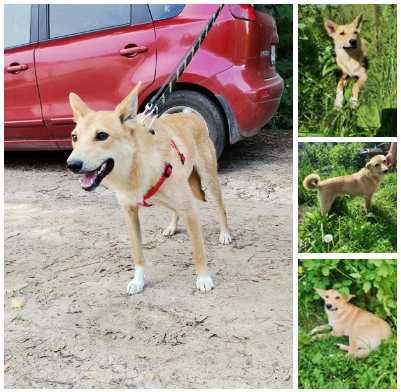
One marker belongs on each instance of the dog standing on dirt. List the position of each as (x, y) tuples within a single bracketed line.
[(350, 52), (365, 330), (164, 168), (364, 183)]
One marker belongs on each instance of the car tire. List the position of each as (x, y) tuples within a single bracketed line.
[(194, 102)]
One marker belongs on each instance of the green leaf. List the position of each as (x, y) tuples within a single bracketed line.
[(366, 287)]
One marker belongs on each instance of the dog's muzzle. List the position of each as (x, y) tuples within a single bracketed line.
[(91, 179), (330, 307), (353, 43)]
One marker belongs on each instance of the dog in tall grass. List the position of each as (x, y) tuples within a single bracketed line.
[(365, 330), (350, 51), (364, 183), (168, 167)]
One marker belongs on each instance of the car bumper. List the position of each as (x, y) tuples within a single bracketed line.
[(248, 106)]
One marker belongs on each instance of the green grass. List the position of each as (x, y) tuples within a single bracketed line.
[(353, 230), (319, 74), (323, 366)]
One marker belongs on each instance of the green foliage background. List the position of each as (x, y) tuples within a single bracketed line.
[(284, 66), (352, 229), (318, 73), (320, 364)]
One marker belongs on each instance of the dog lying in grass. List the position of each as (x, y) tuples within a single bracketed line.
[(350, 52), (365, 330), (364, 183)]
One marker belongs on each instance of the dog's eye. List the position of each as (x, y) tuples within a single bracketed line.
[(74, 138), (337, 297), (377, 164), (327, 296), (102, 136), (355, 32), (342, 33)]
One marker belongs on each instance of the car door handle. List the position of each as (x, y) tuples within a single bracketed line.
[(17, 68), (133, 50)]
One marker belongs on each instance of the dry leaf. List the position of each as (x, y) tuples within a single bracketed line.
[(18, 302), (154, 377), (94, 376), (7, 365)]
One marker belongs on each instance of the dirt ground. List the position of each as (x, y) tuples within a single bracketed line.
[(68, 254)]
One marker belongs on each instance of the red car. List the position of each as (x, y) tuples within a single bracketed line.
[(101, 51)]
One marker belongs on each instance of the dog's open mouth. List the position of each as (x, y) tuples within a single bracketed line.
[(91, 180)]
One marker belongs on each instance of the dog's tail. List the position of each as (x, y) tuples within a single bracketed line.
[(194, 181), (312, 181)]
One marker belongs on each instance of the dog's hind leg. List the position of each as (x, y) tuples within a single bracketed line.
[(210, 180), (134, 229), (356, 89), (340, 91), (191, 220), (326, 201), (362, 353), (368, 201), (172, 228)]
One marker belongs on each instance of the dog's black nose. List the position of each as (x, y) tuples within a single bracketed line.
[(385, 171), (329, 306), (74, 166), (352, 42)]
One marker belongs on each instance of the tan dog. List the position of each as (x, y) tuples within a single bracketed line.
[(364, 183), (350, 57), (364, 329), (115, 147)]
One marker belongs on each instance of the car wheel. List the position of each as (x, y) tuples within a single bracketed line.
[(186, 101)]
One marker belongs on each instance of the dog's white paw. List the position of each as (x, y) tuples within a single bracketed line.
[(225, 239), (353, 103), (138, 283), (171, 230), (204, 284), (338, 104)]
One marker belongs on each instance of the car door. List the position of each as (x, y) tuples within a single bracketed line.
[(98, 51), (22, 111)]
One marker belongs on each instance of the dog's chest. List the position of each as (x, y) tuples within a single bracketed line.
[(348, 64)]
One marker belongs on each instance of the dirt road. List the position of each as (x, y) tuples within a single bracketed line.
[(68, 254)]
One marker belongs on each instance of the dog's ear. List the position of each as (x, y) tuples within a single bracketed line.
[(321, 292), (358, 21), (331, 27), (79, 107), (127, 109), (368, 165), (349, 296)]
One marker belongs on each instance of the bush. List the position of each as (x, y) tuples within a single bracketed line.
[(284, 66)]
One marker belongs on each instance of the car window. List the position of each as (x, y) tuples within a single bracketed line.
[(70, 19), (165, 11), (17, 24)]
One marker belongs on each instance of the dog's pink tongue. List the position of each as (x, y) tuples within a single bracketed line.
[(88, 178)]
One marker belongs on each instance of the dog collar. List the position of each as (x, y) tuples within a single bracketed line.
[(167, 172)]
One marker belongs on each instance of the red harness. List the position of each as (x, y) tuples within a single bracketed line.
[(167, 172)]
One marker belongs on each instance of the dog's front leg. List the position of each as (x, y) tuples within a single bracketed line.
[(134, 229), (340, 91), (368, 202), (191, 220), (356, 89)]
